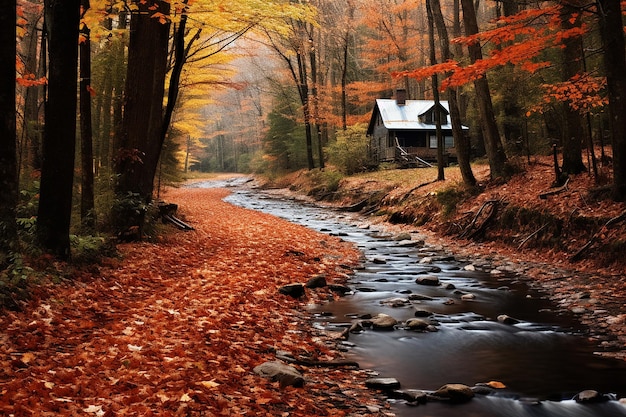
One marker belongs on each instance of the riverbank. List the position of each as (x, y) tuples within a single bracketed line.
[(534, 237)]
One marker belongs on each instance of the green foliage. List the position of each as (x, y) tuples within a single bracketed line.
[(349, 152), (284, 143), (14, 282), (88, 250), (449, 198), (324, 182)]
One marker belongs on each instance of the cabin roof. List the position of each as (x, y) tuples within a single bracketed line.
[(405, 117)]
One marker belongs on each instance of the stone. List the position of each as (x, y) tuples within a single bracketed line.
[(383, 322), (412, 396), (420, 297), (277, 371), (292, 290), (340, 289), (426, 260), (396, 302), (416, 324), (423, 313), (402, 236), (469, 267), (318, 281), (589, 396), (385, 384), (468, 297), (455, 393), (506, 319), (428, 280), (379, 261)]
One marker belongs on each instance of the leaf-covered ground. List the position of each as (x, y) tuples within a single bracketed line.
[(175, 328)]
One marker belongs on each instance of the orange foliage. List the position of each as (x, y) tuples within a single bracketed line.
[(583, 93), (519, 39), (176, 327)]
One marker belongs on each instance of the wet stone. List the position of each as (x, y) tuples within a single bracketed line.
[(505, 319), (383, 322), (430, 280), (455, 393), (292, 290), (382, 383), (420, 297)]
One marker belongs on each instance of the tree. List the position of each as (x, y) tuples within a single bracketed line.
[(572, 67), (612, 33), (460, 138), (493, 143), (8, 151), (62, 20), (435, 85), (140, 145), (87, 212)]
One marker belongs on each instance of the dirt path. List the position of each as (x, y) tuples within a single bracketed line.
[(176, 327)]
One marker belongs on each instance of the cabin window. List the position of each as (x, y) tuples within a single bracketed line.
[(448, 140), (429, 117)]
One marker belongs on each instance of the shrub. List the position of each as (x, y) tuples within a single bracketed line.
[(349, 152)]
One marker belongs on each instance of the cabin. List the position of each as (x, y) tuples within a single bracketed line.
[(404, 131)]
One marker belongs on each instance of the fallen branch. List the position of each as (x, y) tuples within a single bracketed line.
[(531, 236), (611, 221), (472, 229), (553, 191), (408, 193)]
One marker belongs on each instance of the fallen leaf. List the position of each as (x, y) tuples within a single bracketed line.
[(496, 384), (27, 358), (210, 384), (185, 398)]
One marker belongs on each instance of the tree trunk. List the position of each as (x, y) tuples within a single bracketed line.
[(493, 143), (8, 149), (572, 65), (30, 149), (87, 213), (461, 140), (138, 156), (57, 174), (303, 89), (612, 32), (435, 85)]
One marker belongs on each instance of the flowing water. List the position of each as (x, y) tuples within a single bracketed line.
[(543, 360)]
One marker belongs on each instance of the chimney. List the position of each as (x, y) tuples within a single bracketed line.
[(401, 96)]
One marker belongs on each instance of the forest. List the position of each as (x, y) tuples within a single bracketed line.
[(103, 102)]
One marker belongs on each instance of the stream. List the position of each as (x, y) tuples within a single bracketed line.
[(543, 359)]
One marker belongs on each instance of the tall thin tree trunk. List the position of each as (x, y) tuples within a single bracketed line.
[(572, 65), (612, 32), (57, 173), (87, 212), (493, 143), (435, 85), (461, 140), (8, 139)]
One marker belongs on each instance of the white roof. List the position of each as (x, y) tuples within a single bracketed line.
[(406, 117)]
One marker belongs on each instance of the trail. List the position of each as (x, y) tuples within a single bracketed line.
[(176, 327)]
